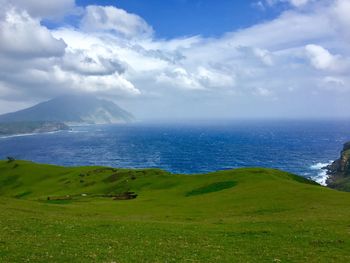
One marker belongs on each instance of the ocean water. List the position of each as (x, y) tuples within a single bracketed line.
[(300, 147)]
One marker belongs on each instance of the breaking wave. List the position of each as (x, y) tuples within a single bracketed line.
[(321, 176)]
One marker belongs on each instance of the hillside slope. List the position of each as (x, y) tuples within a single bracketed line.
[(79, 214), (71, 110)]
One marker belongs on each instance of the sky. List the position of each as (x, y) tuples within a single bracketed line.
[(180, 59)]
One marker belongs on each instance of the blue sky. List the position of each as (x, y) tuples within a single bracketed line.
[(180, 59), (177, 18)]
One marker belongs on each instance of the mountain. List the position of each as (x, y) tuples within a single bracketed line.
[(71, 110), (339, 170)]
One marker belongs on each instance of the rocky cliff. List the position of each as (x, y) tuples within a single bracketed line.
[(339, 170)]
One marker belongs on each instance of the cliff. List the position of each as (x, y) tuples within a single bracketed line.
[(339, 170)]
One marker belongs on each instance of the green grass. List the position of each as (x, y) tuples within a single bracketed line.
[(58, 214), (214, 187)]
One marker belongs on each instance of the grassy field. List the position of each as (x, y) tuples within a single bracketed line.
[(58, 214)]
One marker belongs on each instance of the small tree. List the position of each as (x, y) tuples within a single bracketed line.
[(10, 159)]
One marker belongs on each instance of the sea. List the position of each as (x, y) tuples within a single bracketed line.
[(301, 147)]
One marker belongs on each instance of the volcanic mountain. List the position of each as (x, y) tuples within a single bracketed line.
[(71, 110)]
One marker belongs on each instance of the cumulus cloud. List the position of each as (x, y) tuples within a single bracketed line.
[(35, 63), (179, 77), (321, 58), (22, 35), (263, 55), (340, 14), (271, 65), (112, 19), (114, 84), (86, 63), (341, 10), (43, 9), (200, 79)]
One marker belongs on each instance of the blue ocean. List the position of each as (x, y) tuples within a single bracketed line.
[(300, 147)]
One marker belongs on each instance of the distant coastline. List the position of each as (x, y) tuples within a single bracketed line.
[(10, 129), (29, 134)]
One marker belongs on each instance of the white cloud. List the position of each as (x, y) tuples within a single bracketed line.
[(109, 18), (179, 78), (43, 9), (114, 53), (342, 10), (199, 79), (321, 58), (34, 63), (115, 85), (298, 3), (295, 3), (291, 29), (260, 91), (334, 83), (213, 78), (334, 80), (262, 55), (86, 63), (340, 14), (21, 35)]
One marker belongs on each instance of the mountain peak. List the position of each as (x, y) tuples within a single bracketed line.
[(72, 109)]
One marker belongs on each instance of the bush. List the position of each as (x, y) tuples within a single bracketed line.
[(10, 159)]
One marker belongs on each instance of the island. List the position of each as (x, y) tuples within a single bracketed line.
[(72, 110), (29, 127), (59, 113)]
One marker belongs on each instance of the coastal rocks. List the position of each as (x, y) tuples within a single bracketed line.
[(339, 171)]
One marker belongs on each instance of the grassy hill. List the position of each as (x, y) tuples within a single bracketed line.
[(58, 214)]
